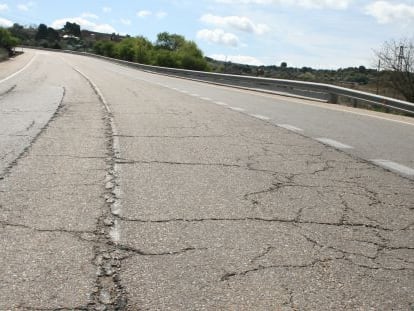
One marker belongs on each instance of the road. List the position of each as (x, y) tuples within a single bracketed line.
[(365, 134), (124, 190)]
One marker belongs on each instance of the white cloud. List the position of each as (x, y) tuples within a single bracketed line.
[(84, 23), (238, 22), (23, 7), (90, 15), (126, 22), (238, 59), (309, 4), (4, 7), (386, 12), (146, 13), (106, 9), (218, 36), (143, 13), (5, 22), (26, 6)]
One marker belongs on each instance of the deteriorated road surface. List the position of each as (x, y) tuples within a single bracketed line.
[(119, 193)]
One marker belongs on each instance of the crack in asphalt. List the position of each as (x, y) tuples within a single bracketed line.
[(67, 156), (25, 308), (76, 233), (173, 137), (8, 91), (110, 294), (123, 161), (280, 182), (313, 263), (255, 219), (135, 251), (26, 150)]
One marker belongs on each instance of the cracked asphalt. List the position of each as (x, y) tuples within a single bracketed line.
[(133, 196)]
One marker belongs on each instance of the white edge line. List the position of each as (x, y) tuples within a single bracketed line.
[(19, 71), (259, 116), (291, 127), (220, 103), (393, 166), (334, 143), (337, 108), (237, 109)]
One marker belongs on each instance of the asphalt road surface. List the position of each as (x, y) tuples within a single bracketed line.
[(124, 190)]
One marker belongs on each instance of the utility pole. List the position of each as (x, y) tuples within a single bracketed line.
[(378, 75), (401, 58)]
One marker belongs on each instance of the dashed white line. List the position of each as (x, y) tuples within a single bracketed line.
[(259, 116), (205, 98), (290, 127), (220, 103), (195, 95), (237, 109), (334, 143), (393, 166)]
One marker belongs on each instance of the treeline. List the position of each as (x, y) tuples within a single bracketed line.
[(357, 75), (359, 78), (169, 50), (68, 37)]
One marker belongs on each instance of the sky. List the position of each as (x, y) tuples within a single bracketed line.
[(326, 34)]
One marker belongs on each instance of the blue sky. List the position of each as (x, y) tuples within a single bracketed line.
[(313, 33)]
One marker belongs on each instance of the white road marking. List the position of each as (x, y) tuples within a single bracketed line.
[(195, 95), (116, 207), (309, 102), (259, 116), (393, 166), (220, 103), (205, 98), (115, 232), (290, 127), (237, 109), (19, 71), (334, 143)]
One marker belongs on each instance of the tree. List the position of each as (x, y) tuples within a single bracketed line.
[(7, 41), (170, 50), (52, 35), (126, 49), (41, 32), (397, 57), (72, 29), (143, 50), (171, 42), (19, 32)]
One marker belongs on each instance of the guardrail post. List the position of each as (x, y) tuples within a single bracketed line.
[(333, 98)]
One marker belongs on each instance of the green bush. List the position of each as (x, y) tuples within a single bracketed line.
[(7, 41), (170, 50)]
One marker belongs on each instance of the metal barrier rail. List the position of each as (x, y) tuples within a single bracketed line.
[(319, 91)]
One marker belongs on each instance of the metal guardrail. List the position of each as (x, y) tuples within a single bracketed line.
[(319, 91)]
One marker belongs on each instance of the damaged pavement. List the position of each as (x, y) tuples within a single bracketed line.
[(138, 197)]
